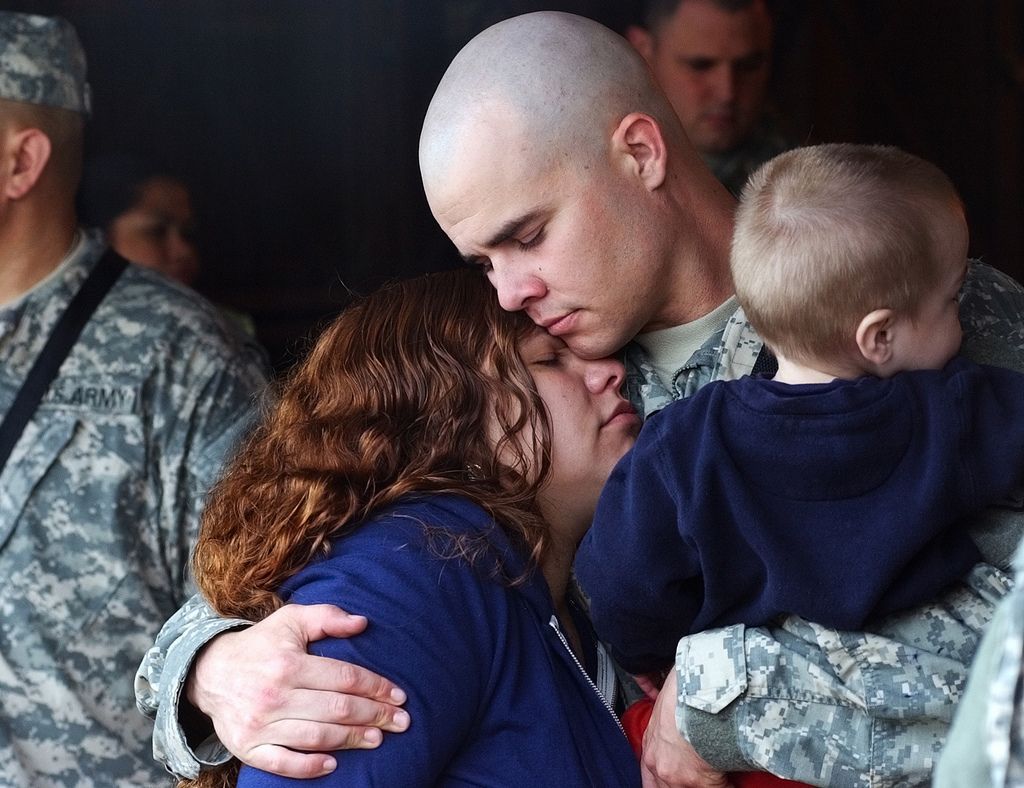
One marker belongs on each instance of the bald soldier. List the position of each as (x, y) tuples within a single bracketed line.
[(553, 162)]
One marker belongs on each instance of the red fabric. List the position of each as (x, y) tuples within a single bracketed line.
[(759, 780), (634, 722)]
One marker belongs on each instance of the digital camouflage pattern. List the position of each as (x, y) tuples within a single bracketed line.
[(1004, 710), (99, 506), (986, 742), (889, 693), (42, 62), (161, 680), (840, 708), (729, 353), (734, 167)]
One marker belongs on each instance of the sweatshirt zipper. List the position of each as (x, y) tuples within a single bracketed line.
[(604, 701)]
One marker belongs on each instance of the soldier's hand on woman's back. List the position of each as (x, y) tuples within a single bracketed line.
[(280, 709)]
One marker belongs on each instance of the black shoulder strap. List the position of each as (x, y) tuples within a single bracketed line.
[(56, 349)]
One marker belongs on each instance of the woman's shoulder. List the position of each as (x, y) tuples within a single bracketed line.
[(418, 512), (426, 536), (422, 521)]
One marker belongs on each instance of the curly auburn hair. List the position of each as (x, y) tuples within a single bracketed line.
[(418, 388)]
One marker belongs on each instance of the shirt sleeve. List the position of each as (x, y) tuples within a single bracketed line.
[(641, 574), (992, 316), (203, 402), (160, 684), (433, 628), (209, 406)]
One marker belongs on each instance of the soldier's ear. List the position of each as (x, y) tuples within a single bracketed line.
[(638, 143), (26, 153)]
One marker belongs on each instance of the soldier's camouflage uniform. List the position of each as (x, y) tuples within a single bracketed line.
[(986, 742), (809, 703), (732, 168), (99, 505)]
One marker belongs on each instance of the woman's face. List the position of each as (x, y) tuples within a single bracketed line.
[(156, 232), (592, 425)]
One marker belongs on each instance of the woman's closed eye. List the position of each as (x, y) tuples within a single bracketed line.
[(555, 358)]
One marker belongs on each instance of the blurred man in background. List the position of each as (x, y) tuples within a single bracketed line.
[(713, 60)]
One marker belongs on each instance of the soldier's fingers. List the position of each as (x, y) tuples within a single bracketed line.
[(338, 709), (336, 676), (315, 622), (289, 763), (292, 756), (309, 736)]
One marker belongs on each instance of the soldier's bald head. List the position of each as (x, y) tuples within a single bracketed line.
[(551, 158), (557, 82)]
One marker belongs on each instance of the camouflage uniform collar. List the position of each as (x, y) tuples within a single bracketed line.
[(728, 353), (44, 303), (671, 347), (733, 167)]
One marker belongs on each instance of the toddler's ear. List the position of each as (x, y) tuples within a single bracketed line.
[(875, 335)]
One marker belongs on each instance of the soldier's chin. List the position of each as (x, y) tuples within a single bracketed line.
[(589, 346), (721, 143), (721, 134)]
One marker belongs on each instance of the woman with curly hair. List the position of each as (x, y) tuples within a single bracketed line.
[(432, 465)]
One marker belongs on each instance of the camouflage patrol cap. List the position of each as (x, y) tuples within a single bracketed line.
[(42, 62)]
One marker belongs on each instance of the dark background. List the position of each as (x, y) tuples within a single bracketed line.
[(295, 122)]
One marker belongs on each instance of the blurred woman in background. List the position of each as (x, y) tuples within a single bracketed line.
[(147, 217)]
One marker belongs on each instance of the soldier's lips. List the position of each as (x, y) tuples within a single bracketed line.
[(561, 325)]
